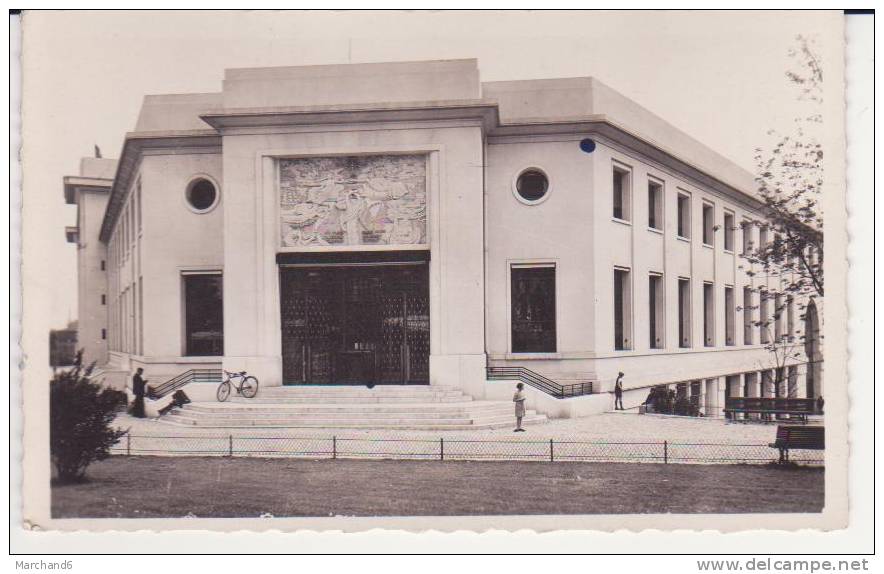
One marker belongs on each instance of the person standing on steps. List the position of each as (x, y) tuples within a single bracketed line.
[(519, 400), (618, 393), (138, 387)]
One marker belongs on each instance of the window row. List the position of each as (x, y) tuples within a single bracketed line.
[(533, 312), (622, 210), (774, 321)]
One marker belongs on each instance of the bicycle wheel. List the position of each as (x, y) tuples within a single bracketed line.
[(249, 387), (223, 391)]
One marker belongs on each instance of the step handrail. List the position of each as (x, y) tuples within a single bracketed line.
[(540, 382), (182, 379)]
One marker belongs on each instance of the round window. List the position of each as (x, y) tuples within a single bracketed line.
[(532, 185), (201, 194)]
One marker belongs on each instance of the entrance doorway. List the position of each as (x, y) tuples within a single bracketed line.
[(355, 324)]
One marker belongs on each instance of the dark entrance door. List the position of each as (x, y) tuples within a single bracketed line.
[(355, 324)]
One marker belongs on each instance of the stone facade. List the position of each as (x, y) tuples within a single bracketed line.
[(360, 162)]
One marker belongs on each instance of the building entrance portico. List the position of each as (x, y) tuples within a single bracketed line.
[(355, 323)]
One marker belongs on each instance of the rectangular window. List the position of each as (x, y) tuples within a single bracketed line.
[(747, 316), (655, 205), (102, 265), (762, 237), (746, 226), (763, 317), (622, 310), (708, 314), (708, 224), (621, 193), (140, 316), (790, 319), (684, 313), (728, 231), (684, 215), (533, 309), (656, 310), (778, 317), (138, 204), (203, 315), (729, 315), (103, 299), (103, 334)]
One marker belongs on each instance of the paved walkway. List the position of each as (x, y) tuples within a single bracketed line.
[(625, 427)]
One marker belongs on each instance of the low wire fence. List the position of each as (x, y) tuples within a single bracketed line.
[(551, 450)]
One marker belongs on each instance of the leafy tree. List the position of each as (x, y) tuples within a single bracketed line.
[(789, 179), (80, 416)]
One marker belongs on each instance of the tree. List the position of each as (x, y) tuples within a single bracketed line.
[(789, 179), (81, 413)]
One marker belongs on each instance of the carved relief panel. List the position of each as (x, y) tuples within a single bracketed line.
[(353, 200)]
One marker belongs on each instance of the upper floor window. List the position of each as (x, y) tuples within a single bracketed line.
[(708, 224), (655, 205), (684, 215), (746, 226), (728, 231), (201, 195), (621, 187), (763, 237)]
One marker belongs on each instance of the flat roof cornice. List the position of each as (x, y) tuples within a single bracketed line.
[(75, 183), (482, 110), (611, 130)]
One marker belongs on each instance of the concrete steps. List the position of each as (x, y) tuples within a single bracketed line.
[(382, 407)]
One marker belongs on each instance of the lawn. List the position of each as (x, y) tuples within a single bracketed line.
[(150, 487)]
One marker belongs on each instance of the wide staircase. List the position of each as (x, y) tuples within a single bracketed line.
[(407, 407)]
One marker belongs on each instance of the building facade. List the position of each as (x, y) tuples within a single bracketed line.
[(406, 223)]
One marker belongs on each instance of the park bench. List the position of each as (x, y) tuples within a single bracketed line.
[(799, 437), (769, 407)]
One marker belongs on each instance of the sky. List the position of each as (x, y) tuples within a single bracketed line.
[(720, 77)]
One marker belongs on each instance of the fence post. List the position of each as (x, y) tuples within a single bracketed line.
[(441, 448), (552, 457), (334, 447), (230, 445), (665, 452), (128, 444)]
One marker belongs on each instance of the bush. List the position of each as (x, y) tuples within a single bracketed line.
[(80, 417)]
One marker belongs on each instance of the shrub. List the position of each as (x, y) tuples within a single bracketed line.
[(80, 417)]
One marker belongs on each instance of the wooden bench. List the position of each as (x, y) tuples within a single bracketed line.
[(800, 437), (769, 407)]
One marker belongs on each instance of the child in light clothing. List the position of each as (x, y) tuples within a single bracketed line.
[(519, 399)]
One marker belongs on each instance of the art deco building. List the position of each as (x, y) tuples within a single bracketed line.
[(406, 223)]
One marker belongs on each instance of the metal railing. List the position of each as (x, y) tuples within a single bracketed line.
[(539, 382), (430, 448), (185, 378)]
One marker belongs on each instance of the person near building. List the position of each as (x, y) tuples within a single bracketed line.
[(618, 393), (138, 388), (519, 400)]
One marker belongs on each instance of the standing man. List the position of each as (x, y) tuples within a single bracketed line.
[(138, 385), (618, 393)]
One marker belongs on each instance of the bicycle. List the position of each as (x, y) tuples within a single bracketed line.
[(247, 387)]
